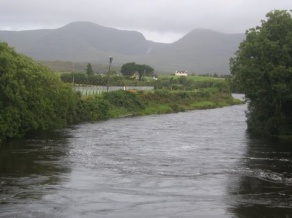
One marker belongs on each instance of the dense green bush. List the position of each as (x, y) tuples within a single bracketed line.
[(92, 108), (31, 96), (128, 100), (262, 69), (98, 80)]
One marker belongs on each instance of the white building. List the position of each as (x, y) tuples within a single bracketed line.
[(181, 73)]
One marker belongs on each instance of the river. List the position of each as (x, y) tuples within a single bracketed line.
[(193, 164)]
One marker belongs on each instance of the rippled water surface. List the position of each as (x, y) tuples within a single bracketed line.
[(192, 164)]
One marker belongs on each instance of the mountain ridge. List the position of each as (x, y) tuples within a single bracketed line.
[(200, 51)]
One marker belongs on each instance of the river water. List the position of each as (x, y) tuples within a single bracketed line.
[(192, 164)]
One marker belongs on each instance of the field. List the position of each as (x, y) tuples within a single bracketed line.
[(192, 77)]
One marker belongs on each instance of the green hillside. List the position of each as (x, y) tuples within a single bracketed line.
[(200, 51)]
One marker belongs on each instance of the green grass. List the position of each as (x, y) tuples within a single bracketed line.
[(203, 105), (119, 112), (191, 77), (156, 109)]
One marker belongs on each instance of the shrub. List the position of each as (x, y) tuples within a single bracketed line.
[(32, 98), (128, 100)]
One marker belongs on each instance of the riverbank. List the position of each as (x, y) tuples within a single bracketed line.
[(123, 103), (34, 99)]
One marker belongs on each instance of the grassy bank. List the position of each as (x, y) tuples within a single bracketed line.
[(123, 103)]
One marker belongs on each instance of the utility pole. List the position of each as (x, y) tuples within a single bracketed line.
[(109, 70), (73, 72)]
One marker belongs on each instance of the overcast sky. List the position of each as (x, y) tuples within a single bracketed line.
[(158, 20)]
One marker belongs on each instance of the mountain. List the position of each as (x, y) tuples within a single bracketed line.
[(200, 51), (80, 41)]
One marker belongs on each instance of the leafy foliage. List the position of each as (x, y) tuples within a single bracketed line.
[(93, 108), (131, 68), (31, 97), (262, 68), (130, 101)]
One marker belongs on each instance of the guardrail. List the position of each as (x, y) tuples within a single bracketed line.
[(91, 90)]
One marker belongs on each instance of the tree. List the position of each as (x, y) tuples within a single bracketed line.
[(129, 69), (145, 70), (262, 68), (31, 97), (89, 70)]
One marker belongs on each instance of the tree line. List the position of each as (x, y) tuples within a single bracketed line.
[(262, 69)]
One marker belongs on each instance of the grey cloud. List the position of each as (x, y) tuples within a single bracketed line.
[(160, 16)]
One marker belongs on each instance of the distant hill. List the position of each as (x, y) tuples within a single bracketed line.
[(200, 51), (79, 41)]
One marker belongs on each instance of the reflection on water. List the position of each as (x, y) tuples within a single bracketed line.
[(264, 187), (192, 164), (30, 169)]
